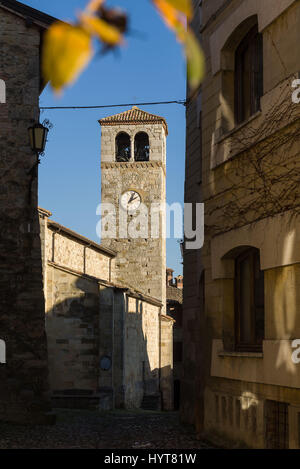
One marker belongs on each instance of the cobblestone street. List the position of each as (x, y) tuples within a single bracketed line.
[(112, 430)]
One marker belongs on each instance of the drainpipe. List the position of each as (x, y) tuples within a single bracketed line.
[(159, 347), (84, 260), (113, 348), (53, 246), (109, 267), (123, 344)]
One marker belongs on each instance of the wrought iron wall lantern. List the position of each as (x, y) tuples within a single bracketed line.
[(38, 138)]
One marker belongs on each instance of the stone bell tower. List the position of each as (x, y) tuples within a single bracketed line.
[(133, 166)]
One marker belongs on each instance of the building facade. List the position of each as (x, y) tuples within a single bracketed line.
[(241, 381), (174, 309), (133, 171), (24, 375), (110, 339)]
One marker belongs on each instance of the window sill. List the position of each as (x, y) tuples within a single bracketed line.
[(223, 353), (238, 127)]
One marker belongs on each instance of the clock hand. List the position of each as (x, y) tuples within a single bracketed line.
[(133, 198)]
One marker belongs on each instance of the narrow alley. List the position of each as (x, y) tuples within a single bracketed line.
[(83, 429)]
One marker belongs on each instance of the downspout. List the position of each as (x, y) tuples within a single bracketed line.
[(84, 260), (109, 267), (123, 345), (113, 348), (53, 246), (159, 368)]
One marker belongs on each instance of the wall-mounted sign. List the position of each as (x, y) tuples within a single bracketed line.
[(105, 363), (2, 351), (2, 92)]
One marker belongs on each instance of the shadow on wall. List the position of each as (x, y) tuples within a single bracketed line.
[(284, 300), (259, 415), (103, 346)]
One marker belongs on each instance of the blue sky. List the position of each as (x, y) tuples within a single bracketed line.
[(151, 68)]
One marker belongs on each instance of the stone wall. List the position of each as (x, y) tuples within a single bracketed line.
[(224, 392), (166, 362), (141, 262), (90, 320), (67, 248), (193, 334), (86, 322), (141, 352), (24, 378), (73, 331), (130, 338), (175, 311)]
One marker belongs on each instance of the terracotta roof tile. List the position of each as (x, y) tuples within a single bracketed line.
[(133, 116)]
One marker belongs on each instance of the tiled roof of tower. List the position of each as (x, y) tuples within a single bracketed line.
[(134, 116)]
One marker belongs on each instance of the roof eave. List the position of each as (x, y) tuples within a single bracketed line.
[(28, 13), (123, 122)]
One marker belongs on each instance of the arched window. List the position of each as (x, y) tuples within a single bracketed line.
[(141, 147), (248, 75), (242, 74), (123, 147), (249, 301)]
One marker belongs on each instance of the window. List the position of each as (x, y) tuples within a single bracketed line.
[(249, 301), (277, 425), (248, 75), (141, 147), (123, 147)]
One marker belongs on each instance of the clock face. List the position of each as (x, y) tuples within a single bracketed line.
[(130, 201)]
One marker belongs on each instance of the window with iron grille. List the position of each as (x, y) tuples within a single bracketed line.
[(277, 426)]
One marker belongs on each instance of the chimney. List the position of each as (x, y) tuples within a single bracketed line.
[(179, 282), (169, 277)]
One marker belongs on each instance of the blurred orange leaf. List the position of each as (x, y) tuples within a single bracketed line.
[(67, 51), (167, 12), (98, 27), (173, 13), (184, 6)]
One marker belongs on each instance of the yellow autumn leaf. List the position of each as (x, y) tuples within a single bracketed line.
[(184, 6), (171, 18), (195, 60), (94, 5), (96, 26), (67, 51), (177, 22)]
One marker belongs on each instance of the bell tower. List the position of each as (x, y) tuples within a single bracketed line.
[(133, 181)]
